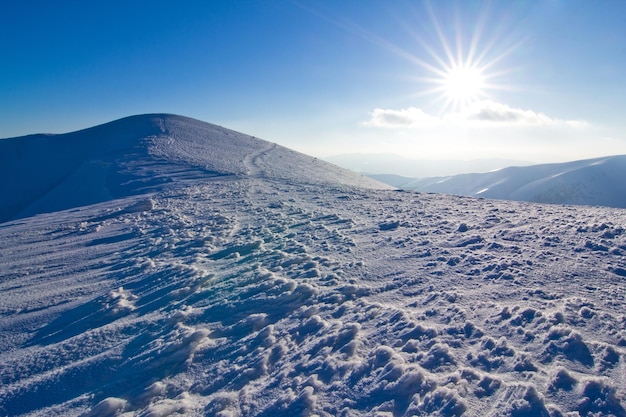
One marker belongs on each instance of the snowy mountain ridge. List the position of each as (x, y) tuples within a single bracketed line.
[(212, 274), (45, 173), (597, 181)]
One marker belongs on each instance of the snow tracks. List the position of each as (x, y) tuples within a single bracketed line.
[(258, 298)]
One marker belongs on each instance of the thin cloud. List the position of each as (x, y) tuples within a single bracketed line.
[(481, 114), (411, 117), (491, 112)]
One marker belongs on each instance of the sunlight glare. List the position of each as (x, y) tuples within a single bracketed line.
[(463, 84), (459, 66)]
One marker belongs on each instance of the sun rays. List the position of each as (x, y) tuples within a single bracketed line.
[(463, 85), (464, 62)]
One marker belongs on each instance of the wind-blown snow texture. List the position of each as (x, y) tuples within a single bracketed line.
[(598, 181), (264, 294)]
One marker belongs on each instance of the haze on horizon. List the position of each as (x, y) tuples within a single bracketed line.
[(540, 81)]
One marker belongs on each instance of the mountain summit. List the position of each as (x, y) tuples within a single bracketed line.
[(45, 173)]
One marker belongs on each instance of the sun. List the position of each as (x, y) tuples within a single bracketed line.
[(463, 85), (459, 84), (460, 65)]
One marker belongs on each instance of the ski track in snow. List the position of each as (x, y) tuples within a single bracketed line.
[(253, 161), (263, 298)]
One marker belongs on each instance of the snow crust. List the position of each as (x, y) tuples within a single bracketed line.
[(265, 292), (598, 181)]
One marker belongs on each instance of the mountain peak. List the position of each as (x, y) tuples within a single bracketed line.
[(138, 154)]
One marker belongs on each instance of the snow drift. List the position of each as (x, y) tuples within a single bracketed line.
[(223, 280), (596, 182)]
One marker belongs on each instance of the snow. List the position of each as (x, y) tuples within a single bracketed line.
[(596, 181), (139, 154), (257, 293)]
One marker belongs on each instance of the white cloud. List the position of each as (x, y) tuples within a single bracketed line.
[(405, 118), (490, 112), (482, 114)]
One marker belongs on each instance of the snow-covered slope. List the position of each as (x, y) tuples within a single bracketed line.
[(598, 181), (45, 173), (264, 294)]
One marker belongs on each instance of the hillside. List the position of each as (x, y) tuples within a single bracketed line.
[(46, 173), (221, 275), (595, 182)]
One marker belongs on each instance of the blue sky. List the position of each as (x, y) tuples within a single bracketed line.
[(329, 77)]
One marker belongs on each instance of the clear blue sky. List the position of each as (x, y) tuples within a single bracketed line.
[(329, 77)]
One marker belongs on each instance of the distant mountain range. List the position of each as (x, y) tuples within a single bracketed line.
[(418, 168), (598, 181)]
